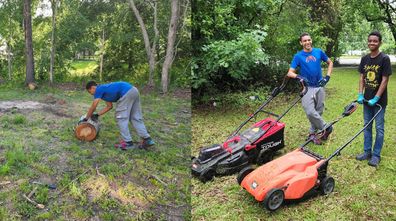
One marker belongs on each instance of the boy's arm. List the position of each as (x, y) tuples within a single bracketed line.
[(383, 85), (330, 67)]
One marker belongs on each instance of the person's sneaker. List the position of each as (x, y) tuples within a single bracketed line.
[(374, 161), (363, 156), (125, 145), (146, 142), (314, 139), (327, 133), (120, 144)]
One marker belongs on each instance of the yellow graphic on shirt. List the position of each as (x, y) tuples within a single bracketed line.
[(370, 78)]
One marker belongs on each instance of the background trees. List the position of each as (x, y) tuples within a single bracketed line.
[(105, 33), (240, 44)]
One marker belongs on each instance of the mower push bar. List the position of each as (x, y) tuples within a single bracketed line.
[(357, 134), (348, 110), (273, 94)]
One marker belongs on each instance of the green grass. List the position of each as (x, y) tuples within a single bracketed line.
[(361, 193), (83, 68), (39, 145)]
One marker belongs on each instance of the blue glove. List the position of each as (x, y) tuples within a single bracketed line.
[(324, 81), (299, 77), (373, 101), (360, 98)]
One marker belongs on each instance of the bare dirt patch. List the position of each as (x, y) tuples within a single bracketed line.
[(5, 105), (182, 93)]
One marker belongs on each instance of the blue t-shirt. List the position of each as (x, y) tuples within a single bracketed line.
[(309, 63), (112, 92)]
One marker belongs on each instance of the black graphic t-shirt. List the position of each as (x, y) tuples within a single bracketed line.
[(373, 69)]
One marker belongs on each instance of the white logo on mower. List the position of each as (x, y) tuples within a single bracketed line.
[(271, 144)]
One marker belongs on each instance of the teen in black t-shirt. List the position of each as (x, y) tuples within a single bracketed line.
[(374, 69)]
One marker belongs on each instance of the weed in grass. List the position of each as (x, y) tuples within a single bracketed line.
[(3, 213), (4, 169), (45, 216), (76, 192), (19, 119), (81, 214), (107, 203), (26, 209), (41, 195)]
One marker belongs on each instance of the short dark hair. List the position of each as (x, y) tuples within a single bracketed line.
[(90, 84), (304, 34), (376, 33)]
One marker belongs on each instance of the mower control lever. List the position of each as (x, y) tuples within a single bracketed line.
[(350, 108), (304, 88)]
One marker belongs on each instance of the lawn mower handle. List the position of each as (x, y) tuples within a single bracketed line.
[(357, 134), (304, 87), (273, 94)]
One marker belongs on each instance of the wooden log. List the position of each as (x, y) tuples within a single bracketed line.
[(87, 131)]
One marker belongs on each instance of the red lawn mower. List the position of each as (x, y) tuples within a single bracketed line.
[(256, 144), (295, 174)]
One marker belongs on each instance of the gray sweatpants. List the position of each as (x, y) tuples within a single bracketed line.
[(128, 109), (313, 104)]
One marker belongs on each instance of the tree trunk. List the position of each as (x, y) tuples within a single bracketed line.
[(170, 46), (150, 50), (87, 131), (52, 62), (101, 55), (9, 59), (28, 42)]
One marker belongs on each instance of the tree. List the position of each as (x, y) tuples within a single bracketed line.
[(10, 30), (327, 13), (150, 48), (28, 42), (389, 17), (54, 4), (170, 46)]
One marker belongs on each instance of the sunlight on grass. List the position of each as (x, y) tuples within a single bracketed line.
[(83, 68)]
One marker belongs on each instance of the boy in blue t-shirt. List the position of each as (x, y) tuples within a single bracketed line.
[(309, 62), (128, 109)]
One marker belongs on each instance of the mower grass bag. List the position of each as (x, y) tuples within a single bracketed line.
[(255, 145), (295, 174)]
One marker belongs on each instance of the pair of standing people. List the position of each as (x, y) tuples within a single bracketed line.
[(374, 70)]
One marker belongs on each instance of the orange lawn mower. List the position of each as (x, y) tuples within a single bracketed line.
[(296, 174)]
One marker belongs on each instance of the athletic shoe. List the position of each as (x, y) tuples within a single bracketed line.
[(327, 133), (374, 161), (314, 139), (125, 145), (363, 156), (146, 142)]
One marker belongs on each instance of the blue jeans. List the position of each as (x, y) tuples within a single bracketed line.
[(368, 113)]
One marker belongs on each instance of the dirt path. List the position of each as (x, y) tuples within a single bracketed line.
[(5, 105)]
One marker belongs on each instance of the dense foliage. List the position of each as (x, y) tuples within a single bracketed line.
[(239, 45), (85, 30)]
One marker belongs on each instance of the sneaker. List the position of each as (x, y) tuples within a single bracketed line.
[(363, 156), (374, 161), (146, 142), (125, 145), (314, 139), (327, 133)]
